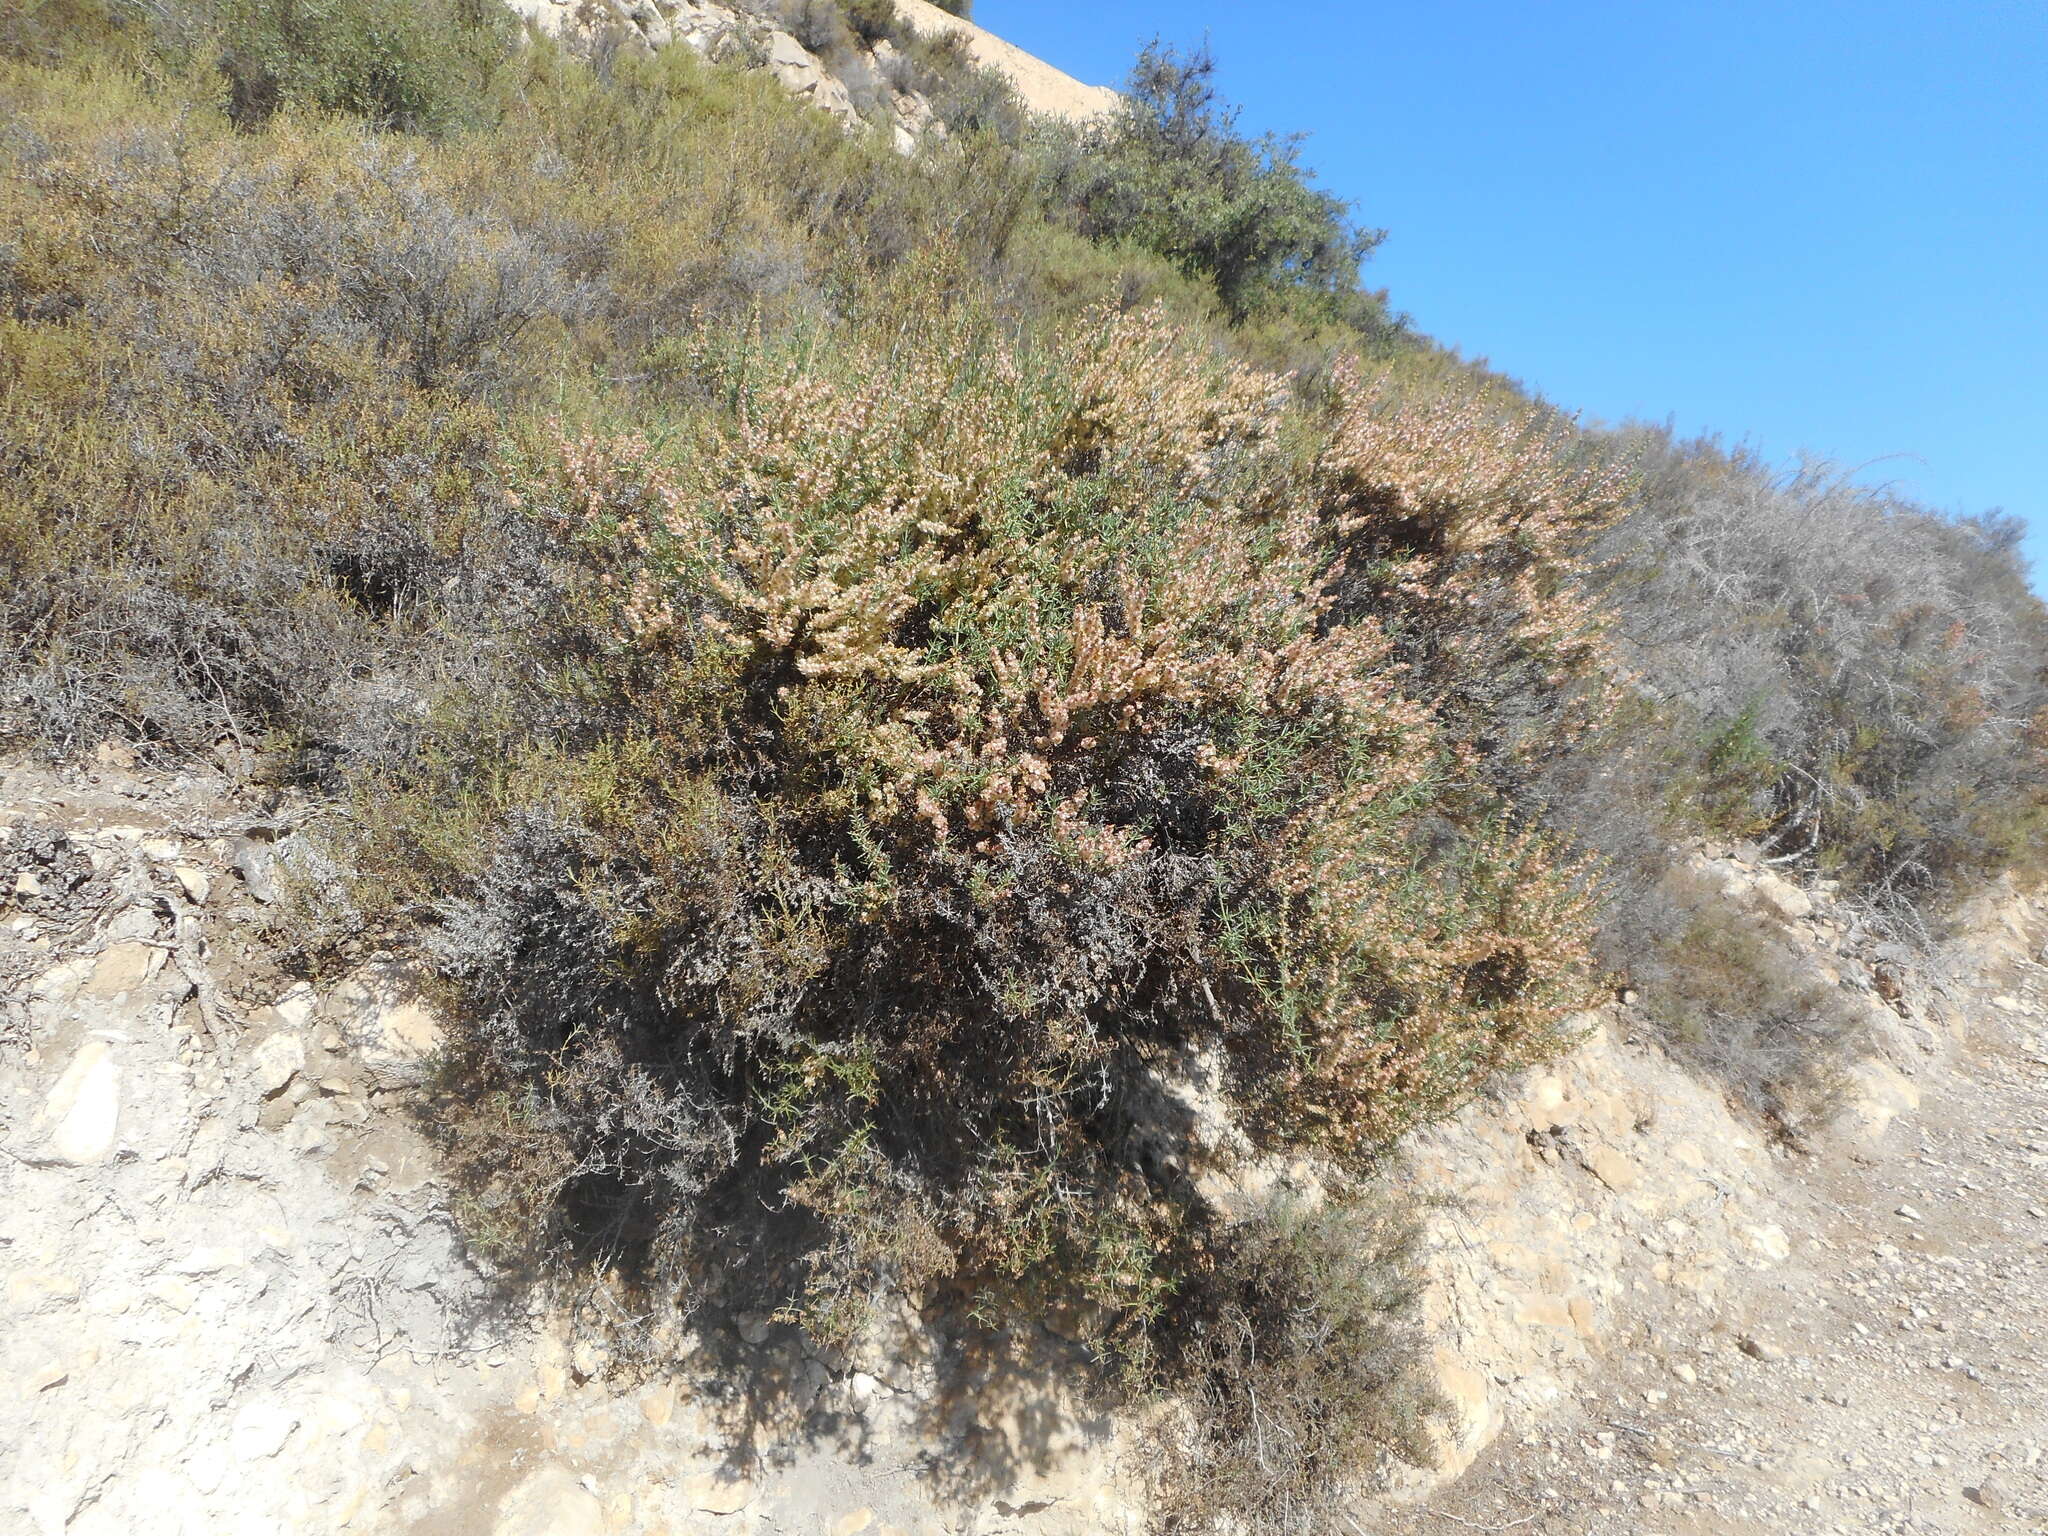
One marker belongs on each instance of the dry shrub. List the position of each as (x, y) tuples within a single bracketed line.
[(970, 723), (1302, 1375), (1751, 1014), (1841, 674)]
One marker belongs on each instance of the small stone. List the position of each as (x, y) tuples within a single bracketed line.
[(1986, 1495), (297, 1005), (1685, 1373), (1613, 1169), (277, 1061), (1758, 1349), (552, 1502), (659, 1406), (41, 1381), (851, 1524), (122, 968), (173, 1293), (1906, 1212), (26, 884), (1769, 1243), (194, 882), (208, 1261), (754, 1327), (252, 860)]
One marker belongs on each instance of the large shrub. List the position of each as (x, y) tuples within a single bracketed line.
[(1841, 675), (970, 727)]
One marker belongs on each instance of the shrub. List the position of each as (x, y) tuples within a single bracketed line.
[(1750, 1014), (414, 65), (874, 21), (1171, 171), (1842, 675), (1303, 1372), (968, 724)]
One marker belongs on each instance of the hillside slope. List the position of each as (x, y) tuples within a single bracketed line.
[(746, 788)]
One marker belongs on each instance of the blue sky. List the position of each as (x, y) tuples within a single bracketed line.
[(1806, 225)]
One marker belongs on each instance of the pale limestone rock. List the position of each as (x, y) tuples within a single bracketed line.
[(297, 1005), (83, 1109), (659, 1405), (386, 1021), (260, 1430), (1472, 1420), (853, 1522), (1769, 1242), (209, 1261), (122, 968), (552, 1502), (279, 1059), (194, 882), (793, 65), (1613, 1169), (30, 1291), (1876, 1093), (718, 1492), (1783, 897)]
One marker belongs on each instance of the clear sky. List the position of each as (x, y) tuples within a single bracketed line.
[(1800, 223)]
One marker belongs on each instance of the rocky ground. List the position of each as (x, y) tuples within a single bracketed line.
[(234, 1297), (1890, 1375)]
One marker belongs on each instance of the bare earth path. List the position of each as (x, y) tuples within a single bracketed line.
[(1891, 1376)]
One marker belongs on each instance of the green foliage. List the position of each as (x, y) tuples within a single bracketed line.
[(969, 724), (414, 65), (851, 665), (873, 21), (1171, 172)]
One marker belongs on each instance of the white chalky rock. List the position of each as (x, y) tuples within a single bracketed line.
[(277, 1061), (260, 1431), (83, 1110)]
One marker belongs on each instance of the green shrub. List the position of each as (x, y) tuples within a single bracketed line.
[(874, 21), (1171, 171), (1751, 1015), (413, 65)]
